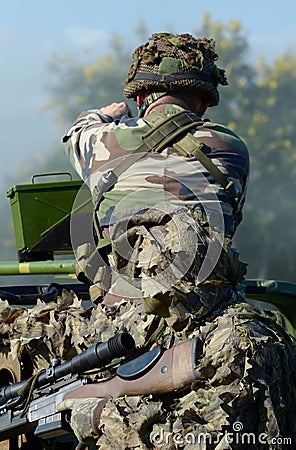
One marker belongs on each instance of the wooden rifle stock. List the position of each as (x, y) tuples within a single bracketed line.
[(174, 370)]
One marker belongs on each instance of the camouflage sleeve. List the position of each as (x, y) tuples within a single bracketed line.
[(82, 414), (79, 139), (230, 154)]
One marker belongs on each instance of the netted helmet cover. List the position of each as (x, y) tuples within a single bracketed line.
[(169, 62)]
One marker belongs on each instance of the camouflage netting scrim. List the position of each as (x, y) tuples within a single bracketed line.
[(247, 365), (247, 371), (168, 62)]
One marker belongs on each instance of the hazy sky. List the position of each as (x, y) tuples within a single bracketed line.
[(31, 30)]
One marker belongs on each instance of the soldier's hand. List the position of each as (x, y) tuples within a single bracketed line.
[(116, 110), (85, 416)]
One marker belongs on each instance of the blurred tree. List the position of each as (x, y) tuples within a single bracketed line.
[(79, 85), (259, 105), (267, 117), (232, 48)]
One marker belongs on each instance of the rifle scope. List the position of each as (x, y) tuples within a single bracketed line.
[(94, 357)]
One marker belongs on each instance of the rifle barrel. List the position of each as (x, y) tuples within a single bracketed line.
[(94, 357)]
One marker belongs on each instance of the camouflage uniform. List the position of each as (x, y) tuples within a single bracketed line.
[(161, 208), (94, 145), (245, 396)]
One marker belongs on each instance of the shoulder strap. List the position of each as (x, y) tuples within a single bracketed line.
[(163, 131), (191, 146)]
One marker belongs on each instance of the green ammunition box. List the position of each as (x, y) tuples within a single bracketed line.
[(41, 214)]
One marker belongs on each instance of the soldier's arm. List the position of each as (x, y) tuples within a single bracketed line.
[(116, 110), (84, 137), (97, 118)]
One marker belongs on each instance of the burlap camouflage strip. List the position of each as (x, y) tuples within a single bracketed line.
[(247, 371), (247, 365), (247, 380), (166, 253), (169, 62)]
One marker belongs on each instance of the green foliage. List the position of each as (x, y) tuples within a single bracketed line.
[(269, 112), (259, 105)]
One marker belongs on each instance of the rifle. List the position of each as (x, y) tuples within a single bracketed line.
[(157, 371), (48, 389)]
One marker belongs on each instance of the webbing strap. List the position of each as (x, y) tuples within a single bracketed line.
[(163, 130), (191, 146)]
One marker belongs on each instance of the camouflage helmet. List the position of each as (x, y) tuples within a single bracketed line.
[(169, 62)]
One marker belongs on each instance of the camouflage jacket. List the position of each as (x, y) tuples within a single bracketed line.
[(95, 144)]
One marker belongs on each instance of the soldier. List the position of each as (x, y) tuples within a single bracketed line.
[(169, 189)]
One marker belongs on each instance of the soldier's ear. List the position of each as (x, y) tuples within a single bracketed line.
[(202, 107), (141, 96)]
